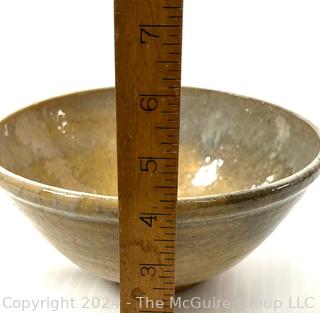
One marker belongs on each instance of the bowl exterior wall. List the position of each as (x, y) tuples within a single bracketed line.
[(205, 248)]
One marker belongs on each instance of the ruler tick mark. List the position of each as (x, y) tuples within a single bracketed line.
[(171, 78), (166, 127), (168, 7), (172, 44), (166, 187), (168, 62), (161, 25)]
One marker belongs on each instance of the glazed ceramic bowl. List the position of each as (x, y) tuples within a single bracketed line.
[(244, 163)]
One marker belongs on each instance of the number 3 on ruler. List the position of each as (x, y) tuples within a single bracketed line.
[(148, 271)]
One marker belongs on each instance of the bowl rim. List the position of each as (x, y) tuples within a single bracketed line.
[(309, 171)]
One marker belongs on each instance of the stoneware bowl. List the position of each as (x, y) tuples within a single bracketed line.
[(244, 163)]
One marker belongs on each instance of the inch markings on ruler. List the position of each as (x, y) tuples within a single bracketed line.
[(148, 47)]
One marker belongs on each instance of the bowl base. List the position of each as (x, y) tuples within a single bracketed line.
[(185, 287)]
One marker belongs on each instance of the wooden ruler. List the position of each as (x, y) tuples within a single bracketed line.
[(148, 38)]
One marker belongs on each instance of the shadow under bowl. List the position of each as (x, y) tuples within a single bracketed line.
[(243, 164)]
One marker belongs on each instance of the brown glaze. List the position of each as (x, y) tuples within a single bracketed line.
[(243, 164)]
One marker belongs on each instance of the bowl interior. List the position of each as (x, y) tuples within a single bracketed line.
[(228, 143)]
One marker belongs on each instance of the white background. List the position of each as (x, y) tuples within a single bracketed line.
[(267, 49)]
